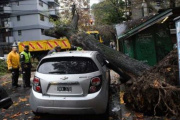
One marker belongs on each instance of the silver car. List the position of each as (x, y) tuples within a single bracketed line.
[(75, 82)]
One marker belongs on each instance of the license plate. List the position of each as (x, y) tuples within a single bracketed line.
[(64, 89)]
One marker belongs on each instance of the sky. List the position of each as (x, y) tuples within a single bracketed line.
[(94, 1)]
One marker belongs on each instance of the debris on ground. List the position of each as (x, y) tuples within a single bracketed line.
[(156, 91)]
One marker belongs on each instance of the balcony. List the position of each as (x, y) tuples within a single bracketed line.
[(8, 25), (53, 2), (10, 39), (5, 10), (53, 13)]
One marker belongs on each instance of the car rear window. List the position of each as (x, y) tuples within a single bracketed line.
[(67, 65)]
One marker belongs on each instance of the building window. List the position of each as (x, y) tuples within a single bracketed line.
[(19, 32), (42, 31), (18, 18), (41, 17), (41, 3)]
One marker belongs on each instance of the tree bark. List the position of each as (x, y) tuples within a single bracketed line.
[(116, 58)]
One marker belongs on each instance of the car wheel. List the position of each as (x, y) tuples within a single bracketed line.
[(37, 114), (5, 101)]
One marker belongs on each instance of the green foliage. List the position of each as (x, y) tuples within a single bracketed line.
[(109, 12), (3, 67)]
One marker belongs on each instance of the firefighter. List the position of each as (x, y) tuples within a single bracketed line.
[(56, 49), (25, 59), (13, 66)]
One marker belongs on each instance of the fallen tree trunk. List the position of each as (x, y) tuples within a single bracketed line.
[(118, 59)]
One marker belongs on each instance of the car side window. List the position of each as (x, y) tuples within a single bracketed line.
[(100, 59)]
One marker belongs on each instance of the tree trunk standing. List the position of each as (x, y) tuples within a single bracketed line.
[(75, 17), (172, 3)]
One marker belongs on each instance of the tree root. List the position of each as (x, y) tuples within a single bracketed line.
[(155, 92)]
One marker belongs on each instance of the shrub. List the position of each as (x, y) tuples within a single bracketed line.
[(3, 67)]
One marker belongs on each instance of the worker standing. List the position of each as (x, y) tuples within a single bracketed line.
[(26, 66), (79, 49), (55, 50), (13, 66)]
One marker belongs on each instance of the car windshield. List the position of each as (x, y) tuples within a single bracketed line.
[(67, 65)]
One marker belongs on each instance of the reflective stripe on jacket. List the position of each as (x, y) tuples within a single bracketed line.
[(13, 60), (27, 57)]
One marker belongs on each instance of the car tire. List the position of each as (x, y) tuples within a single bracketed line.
[(3, 95), (36, 113)]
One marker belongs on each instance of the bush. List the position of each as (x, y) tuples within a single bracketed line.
[(3, 67)]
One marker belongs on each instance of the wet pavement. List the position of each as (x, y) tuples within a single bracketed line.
[(20, 110)]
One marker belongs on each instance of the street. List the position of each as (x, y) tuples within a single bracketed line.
[(20, 110), (69, 46)]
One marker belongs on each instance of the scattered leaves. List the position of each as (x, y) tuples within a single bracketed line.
[(26, 112), (16, 115), (127, 114), (121, 97), (168, 69), (156, 83), (5, 83), (22, 99), (139, 115), (16, 103)]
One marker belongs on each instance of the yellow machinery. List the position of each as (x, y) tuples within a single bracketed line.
[(96, 35), (45, 45), (39, 48)]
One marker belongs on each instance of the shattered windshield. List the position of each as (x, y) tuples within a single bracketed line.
[(67, 65)]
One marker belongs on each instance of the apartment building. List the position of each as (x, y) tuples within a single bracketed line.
[(27, 19), (139, 8), (4, 14)]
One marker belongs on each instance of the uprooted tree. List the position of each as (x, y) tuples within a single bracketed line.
[(150, 90)]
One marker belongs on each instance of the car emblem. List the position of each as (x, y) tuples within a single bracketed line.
[(64, 78)]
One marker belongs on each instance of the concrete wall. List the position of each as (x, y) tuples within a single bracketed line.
[(25, 5), (28, 35), (25, 20)]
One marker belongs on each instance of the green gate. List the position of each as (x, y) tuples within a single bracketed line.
[(145, 48)]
